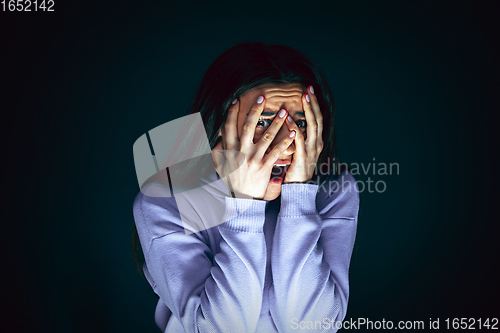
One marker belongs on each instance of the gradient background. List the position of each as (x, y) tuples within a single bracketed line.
[(415, 84)]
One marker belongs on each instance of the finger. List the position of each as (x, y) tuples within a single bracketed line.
[(317, 112), (218, 146), (312, 125), (270, 133), (299, 138), (278, 150), (230, 130), (218, 155), (248, 130)]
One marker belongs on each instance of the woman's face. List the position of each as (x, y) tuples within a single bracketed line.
[(288, 97)]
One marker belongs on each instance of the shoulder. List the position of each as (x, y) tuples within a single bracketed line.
[(155, 210), (191, 210), (338, 196)]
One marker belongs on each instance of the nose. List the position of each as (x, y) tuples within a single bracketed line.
[(282, 133)]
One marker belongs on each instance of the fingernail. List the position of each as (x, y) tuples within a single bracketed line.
[(289, 119), (282, 113), (292, 134), (234, 101), (307, 98), (260, 99), (311, 89)]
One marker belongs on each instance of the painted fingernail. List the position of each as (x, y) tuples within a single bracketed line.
[(282, 113), (307, 98), (260, 99), (289, 119), (311, 89), (292, 134), (234, 101)]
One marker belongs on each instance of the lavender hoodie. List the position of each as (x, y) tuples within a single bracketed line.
[(274, 266)]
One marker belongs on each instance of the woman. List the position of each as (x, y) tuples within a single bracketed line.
[(278, 259)]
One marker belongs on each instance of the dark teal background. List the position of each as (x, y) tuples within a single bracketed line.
[(415, 84)]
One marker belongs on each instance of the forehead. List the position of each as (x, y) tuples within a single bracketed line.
[(286, 96)]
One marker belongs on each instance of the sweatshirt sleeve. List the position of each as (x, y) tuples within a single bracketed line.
[(311, 252), (206, 292)]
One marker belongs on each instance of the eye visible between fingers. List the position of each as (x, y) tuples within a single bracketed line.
[(262, 123)]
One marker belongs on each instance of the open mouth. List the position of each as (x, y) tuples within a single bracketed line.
[(278, 173)]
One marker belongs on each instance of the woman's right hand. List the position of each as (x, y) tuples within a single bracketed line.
[(242, 164)]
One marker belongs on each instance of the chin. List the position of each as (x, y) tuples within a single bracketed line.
[(272, 192)]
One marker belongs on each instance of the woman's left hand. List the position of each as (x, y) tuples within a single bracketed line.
[(307, 150)]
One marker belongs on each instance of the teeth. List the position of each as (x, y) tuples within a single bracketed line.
[(280, 165)]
